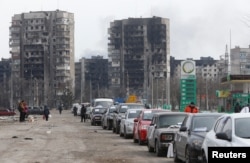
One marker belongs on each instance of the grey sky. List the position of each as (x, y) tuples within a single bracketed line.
[(197, 27)]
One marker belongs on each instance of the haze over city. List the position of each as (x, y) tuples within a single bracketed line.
[(197, 28)]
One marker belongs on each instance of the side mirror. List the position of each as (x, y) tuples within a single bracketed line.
[(183, 128), (223, 136)]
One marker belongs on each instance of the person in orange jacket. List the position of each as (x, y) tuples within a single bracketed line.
[(191, 108)]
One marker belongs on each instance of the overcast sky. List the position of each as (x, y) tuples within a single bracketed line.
[(197, 27)]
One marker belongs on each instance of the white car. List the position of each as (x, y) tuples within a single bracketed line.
[(229, 130), (127, 122)]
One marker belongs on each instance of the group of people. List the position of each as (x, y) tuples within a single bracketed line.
[(82, 113), (23, 110)]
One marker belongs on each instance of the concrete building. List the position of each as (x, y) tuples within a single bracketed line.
[(91, 79), (139, 58), (42, 51)]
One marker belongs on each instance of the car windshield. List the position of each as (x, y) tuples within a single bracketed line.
[(131, 106), (242, 127), (111, 110), (133, 113), (123, 109), (169, 120), (147, 115), (203, 123), (103, 103)]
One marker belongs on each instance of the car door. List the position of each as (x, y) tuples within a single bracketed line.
[(150, 133), (226, 127), (181, 137)]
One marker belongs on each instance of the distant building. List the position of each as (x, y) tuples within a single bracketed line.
[(42, 51), (91, 79), (139, 57)]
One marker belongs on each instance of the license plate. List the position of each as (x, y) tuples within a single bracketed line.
[(97, 117)]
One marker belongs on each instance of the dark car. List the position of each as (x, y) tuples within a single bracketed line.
[(120, 111), (35, 110), (96, 115), (7, 112), (189, 138), (162, 130)]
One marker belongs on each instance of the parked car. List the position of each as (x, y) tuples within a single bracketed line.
[(96, 115), (35, 110), (189, 138), (141, 124), (230, 130), (161, 131), (120, 111), (127, 122), (107, 118), (7, 112)]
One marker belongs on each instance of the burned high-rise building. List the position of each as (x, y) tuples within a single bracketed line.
[(42, 52), (139, 55)]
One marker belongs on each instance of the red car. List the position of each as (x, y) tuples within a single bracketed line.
[(6, 112), (141, 124)]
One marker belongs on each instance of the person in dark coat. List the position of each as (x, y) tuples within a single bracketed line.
[(21, 109), (75, 111), (83, 113), (46, 112), (237, 108), (60, 109)]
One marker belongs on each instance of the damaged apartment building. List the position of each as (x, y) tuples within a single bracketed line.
[(42, 52), (139, 57)]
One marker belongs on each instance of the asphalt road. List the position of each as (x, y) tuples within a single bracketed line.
[(64, 139)]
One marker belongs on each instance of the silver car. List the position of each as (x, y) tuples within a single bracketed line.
[(127, 122)]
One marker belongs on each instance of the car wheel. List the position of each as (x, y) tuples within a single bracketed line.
[(157, 149), (139, 141), (187, 155), (103, 126), (108, 125), (121, 134), (176, 159), (125, 133), (150, 149), (134, 139), (117, 129), (204, 160)]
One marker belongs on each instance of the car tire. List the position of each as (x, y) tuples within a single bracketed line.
[(150, 149), (108, 125), (139, 141), (135, 140), (125, 133), (176, 159), (121, 134), (158, 151), (104, 127), (187, 155), (117, 131), (204, 160)]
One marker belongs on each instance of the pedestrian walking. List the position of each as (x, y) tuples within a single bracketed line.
[(46, 113), (60, 109), (21, 110), (75, 110), (83, 113), (191, 108)]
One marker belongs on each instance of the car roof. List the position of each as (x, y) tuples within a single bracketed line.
[(206, 114), (238, 115), (170, 113)]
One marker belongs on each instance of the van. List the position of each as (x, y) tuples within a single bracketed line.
[(105, 102)]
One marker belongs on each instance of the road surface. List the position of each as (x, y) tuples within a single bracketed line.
[(64, 139)]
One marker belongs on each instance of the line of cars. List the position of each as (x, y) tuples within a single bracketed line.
[(188, 134)]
